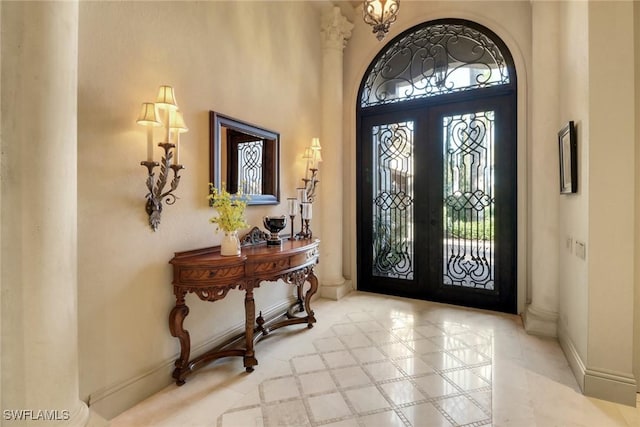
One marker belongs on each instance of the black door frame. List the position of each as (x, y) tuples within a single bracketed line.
[(417, 109)]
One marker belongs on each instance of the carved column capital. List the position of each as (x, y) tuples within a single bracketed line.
[(336, 29)]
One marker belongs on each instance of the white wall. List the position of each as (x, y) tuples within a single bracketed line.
[(574, 213), (255, 61), (611, 206), (509, 20), (596, 295)]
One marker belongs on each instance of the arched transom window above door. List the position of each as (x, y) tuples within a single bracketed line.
[(442, 57)]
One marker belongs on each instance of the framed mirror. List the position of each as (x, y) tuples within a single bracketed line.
[(244, 156)]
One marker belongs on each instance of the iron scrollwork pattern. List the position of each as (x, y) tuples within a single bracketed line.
[(434, 60), (250, 166), (393, 241), (469, 202)]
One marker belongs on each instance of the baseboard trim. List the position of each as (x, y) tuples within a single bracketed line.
[(540, 322), (80, 415), (612, 386), (573, 357), (335, 292), (112, 401), (599, 383)]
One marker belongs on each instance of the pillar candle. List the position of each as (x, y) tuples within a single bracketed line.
[(149, 143), (307, 210), (302, 195), (167, 125), (292, 205), (176, 159)]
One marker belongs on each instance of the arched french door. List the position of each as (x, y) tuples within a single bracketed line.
[(436, 172)]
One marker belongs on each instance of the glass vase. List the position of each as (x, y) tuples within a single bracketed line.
[(230, 245)]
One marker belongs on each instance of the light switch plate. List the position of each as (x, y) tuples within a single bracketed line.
[(581, 250)]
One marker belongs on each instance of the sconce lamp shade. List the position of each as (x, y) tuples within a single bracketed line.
[(315, 144), (147, 115), (166, 98), (308, 154), (317, 157), (177, 122)]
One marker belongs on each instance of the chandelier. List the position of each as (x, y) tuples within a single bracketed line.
[(380, 14)]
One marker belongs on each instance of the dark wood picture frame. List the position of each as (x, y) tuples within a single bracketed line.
[(227, 132), (568, 150)]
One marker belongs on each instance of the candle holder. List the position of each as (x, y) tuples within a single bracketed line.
[(303, 233), (310, 185), (306, 232), (292, 206), (305, 214), (156, 194), (307, 193), (292, 236)]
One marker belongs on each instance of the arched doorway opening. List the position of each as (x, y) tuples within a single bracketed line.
[(436, 173)]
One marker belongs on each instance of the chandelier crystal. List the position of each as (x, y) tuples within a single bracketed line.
[(380, 14)]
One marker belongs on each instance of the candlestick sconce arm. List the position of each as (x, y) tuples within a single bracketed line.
[(173, 125)]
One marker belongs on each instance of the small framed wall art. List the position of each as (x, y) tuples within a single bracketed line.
[(568, 159)]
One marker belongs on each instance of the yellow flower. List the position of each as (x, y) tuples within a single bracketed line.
[(230, 208)]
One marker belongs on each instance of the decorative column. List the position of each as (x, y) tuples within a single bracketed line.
[(336, 30), (39, 70), (541, 315)]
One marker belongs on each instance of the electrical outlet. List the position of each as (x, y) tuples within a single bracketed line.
[(581, 250)]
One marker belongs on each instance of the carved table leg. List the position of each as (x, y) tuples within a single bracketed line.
[(300, 301), (250, 318), (260, 325), (313, 281), (176, 321)]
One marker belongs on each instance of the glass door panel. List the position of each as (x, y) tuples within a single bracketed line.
[(468, 199), (437, 204), (393, 207)]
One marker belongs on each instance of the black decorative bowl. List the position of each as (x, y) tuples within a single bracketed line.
[(274, 224)]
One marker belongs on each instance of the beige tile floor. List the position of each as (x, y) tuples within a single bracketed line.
[(374, 360)]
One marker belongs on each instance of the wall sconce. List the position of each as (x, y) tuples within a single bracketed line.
[(306, 195), (314, 157), (380, 14), (174, 125)]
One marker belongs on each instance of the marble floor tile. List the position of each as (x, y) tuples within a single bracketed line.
[(435, 385), (413, 366), (351, 376), (374, 360), (328, 406), (291, 413), (402, 392), (462, 410), (338, 359), (383, 419), (368, 354), (279, 389), (316, 382), (381, 371), (367, 399), (425, 414)]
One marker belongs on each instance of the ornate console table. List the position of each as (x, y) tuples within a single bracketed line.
[(210, 276)]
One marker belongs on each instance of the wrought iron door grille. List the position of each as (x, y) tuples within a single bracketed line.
[(393, 240), (433, 60), (468, 200)]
